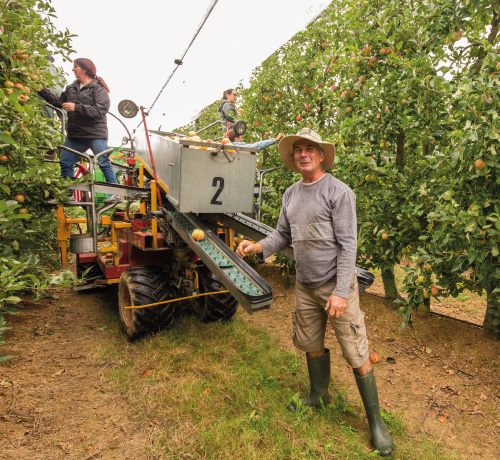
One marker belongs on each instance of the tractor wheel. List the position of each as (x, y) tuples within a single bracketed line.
[(143, 286), (214, 307), (94, 272)]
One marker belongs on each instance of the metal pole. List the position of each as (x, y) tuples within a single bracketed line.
[(151, 156)]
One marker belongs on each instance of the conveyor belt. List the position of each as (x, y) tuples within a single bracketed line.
[(243, 282)]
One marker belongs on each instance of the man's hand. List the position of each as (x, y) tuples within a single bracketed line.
[(69, 106), (279, 136), (247, 248), (336, 306)]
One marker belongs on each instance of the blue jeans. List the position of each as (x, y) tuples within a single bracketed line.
[(68, 159)]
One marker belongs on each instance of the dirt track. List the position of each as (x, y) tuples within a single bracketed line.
[(56, 401)]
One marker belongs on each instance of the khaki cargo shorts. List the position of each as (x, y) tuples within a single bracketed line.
[(309, 322)]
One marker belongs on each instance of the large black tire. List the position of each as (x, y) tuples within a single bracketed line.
[(143, 286), (214, 307)]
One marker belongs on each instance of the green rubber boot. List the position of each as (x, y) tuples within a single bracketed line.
[(381, 439), (319, 375)]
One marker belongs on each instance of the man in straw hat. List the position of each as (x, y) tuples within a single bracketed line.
[(318, 217)]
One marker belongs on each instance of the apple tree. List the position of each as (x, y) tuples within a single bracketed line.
[(27, 223)]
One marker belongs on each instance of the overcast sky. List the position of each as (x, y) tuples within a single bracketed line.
[(134, 44)]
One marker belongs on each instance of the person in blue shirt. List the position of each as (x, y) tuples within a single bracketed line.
[(238, 140)]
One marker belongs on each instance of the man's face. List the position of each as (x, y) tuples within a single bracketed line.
[(307, 156), (80, 74)]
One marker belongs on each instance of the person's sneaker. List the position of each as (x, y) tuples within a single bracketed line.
[(112, 198)]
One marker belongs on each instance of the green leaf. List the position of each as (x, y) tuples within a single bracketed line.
[(6, 138), (18, 107), (10, 309), (12, 299), (29, 110)]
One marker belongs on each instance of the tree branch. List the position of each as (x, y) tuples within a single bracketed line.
[(491, 38)]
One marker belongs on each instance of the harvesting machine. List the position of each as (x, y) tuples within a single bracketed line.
[(170, 187)]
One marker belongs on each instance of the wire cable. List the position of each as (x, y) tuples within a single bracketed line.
[(179, 62)]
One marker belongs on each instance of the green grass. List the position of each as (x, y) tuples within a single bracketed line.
[(221, 391)]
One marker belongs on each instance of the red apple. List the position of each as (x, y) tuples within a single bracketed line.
[(4, 158), (198, 234), (367, 50), (308, 106), (479, 163), (434, 291), (334, 87), (374, 358), (298, 117), (385, 236)]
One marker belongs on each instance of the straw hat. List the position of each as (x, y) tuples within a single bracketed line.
[(285, 148)]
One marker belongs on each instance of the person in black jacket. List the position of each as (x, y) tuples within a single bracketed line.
[(227, 109), (87, 102)]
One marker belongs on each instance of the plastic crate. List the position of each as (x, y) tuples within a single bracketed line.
[(99, 176)]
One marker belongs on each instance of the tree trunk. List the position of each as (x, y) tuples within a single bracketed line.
[(492, 313), (391, 291)]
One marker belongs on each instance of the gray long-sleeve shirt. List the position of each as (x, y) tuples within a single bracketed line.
[(319, 219)]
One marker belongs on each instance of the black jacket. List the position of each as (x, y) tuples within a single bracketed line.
[(91, 106)]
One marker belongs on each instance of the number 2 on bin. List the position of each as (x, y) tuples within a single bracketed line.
[(220, 182)]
